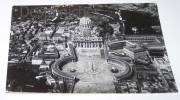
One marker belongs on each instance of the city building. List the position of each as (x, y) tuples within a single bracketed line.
[(36, 61), (141, 38), (155, 49)]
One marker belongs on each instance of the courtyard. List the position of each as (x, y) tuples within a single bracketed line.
[(94, 74)]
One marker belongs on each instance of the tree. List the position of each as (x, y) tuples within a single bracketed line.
[(105, 30)]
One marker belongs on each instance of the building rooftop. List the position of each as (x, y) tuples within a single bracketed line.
[(155, 46)]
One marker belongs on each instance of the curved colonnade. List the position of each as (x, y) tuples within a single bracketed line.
[(59, 63), (68, 80), (129, 70), (57, 66)]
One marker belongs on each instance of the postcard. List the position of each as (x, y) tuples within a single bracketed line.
[(93, 48)]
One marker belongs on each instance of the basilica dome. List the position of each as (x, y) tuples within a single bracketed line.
[(85, 25)]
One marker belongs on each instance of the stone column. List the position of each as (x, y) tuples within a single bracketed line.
[(85, 45), (98, 44), (81, 45), (89, 44), (78, 44)]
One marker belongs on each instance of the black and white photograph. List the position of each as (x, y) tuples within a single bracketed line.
[(88, 48)]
